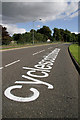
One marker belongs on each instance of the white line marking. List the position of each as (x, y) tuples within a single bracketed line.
[(38, 52), (12, 63), (35, 53), (41, 51), (1, 68), (27, 68), (49, 47), (9, 95), (45, 64)]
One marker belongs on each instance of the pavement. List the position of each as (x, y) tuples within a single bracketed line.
[(35, 91)]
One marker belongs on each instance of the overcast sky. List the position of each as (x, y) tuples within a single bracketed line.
[(18, 16)]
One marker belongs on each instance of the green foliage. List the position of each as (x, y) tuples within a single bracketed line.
[(28, 37), (0, 35), (41, 35), (64, 35), (16, 37), (6, 39), (75, 50), (57, 34), (79, 39), (45, 30)]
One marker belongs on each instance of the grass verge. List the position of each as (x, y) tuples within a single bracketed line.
[(13, 46), (75, 50)]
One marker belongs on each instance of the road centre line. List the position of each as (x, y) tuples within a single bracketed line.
[(50, 47), (44, 66), (38, 52), (9, 64), (1, 68), (12, 63)]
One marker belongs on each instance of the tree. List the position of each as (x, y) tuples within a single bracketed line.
[(6, 39), (67, 36), (16, 37), (62, 32), (57, 34), (79, 39), (28, 37), (45, 30), (39, 37), (0, 35), (64, 35), (73, 37), (76, 35)]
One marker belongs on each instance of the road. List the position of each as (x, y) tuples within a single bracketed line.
[(47, 90)]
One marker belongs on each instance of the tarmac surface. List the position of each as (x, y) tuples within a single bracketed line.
[(58, 101)]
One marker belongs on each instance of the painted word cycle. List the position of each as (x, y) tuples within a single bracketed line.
[(44, 67)]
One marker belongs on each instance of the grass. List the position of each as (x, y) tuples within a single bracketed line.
[(75, 51), (12, 46)]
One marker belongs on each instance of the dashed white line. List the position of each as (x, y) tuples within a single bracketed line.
[(49, 47), (41, 51), (12, 63), (38, 52), (9, 64), (35, 53), (1, 68)]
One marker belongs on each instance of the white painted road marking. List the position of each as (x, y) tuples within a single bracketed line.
[(34, 81), (43, 67), (21, 99), (50, 47), (9, 64), (1, 68), (12, 63), (38, 52)]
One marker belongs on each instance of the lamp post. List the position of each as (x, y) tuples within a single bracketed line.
[(33, 29)]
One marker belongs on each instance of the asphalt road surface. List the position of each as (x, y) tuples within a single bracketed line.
[(39, 82)]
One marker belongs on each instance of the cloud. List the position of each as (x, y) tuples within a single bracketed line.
[(13, 29), (38, 26), (74, 15), (75, 32), (47, 10), (20, 12), (40, 0)]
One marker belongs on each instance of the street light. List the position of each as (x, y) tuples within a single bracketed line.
[(33, 29)]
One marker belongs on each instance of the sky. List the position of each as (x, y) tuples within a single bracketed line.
[(22, 16)]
